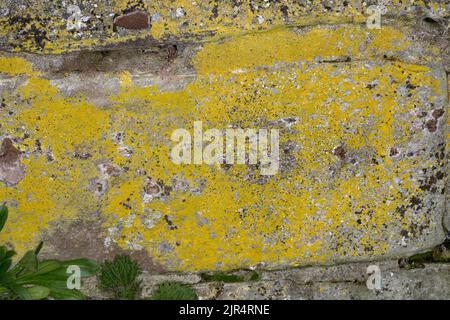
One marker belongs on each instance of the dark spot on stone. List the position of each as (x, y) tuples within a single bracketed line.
[(339, 152), (401, 210), (82, 156), (11, 170), (8, 153), (431, 125), (423, 114), (415, 201), (215, 12), (437, 113), (430, 20), (38, 146), (126, 205), (98, 186), (135, 20), (403, 263), (284, 9), (409, 86), (152, 188), (393, 152), (49, 156), (169, 223), (432, 180), (172, 53), (428, 184)]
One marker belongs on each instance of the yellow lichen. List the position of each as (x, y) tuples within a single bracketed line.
[(228, 218)]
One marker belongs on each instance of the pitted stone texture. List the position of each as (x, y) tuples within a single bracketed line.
[(362, 170), (44, 26), (344, 282), (266, 290)]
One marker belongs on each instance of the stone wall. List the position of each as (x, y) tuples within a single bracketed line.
[(90, 99)]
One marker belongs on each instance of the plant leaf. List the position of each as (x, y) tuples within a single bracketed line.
[(4, 267), (44, 268), (28, 262), (38, 292), (38, 248), (3, 251), (18, 290), (58, 288), (67, 294), (3, 216), (9, 254), (88, 267), (47, 266)]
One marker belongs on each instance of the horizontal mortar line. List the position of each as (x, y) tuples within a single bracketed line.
[(312, 282), (48, 74)]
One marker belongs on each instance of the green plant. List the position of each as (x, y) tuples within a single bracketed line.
[(32, 279), (174, 291), (254, 276), (120, 277), (222, 277)]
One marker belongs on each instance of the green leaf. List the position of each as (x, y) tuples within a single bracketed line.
[(18, 290), (44, 268), (4, 267), (58, 288), (3, 251), (4, 292), (88, 267), (52, 284), (9, 254), (67, 294), (44, 279), (38, 248), (29, 261), (3, 216), (38, 292), (47, 266)]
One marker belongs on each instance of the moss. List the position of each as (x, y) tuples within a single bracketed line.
[(439, 254), (222, 277), (422, 257), (174, 291), (255, 276)]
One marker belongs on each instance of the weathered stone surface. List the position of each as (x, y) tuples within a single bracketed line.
[(44, 26), (362, 173), (86, 117), (342, 282), (339, 282)]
